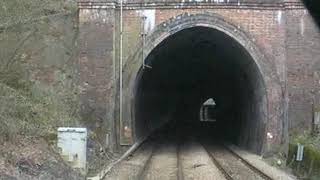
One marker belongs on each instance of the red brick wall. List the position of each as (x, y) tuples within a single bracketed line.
[(303, 68), (292, 51)]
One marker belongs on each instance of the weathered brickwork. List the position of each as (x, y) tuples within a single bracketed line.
[(267, 27), (96, 67), (303, 65), (283, 31)]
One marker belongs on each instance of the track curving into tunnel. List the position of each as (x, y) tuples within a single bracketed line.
[(190, 67)]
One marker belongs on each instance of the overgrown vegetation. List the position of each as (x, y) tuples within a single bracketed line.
[(306, 138), (31, 114), (309, 167), (37, 73), (14, 12)]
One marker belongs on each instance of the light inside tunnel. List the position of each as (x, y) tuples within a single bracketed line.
[(188, 68), (208, 111)]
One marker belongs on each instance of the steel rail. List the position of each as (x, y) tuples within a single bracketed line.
[(180, 175), (248, 164), (141, 175), (218, 164)]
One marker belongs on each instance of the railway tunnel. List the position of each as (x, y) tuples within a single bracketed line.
[(193, 66)]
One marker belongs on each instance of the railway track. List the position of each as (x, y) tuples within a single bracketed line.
[(163, 163), (253, 168), (142, 173), (218, 165), (186, 160), (227, 172)]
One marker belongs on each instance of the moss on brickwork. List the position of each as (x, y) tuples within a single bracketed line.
[(309, 167)]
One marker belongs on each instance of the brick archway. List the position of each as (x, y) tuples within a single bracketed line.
[(273, 108)]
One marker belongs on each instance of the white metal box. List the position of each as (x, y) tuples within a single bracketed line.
[(73, 146)]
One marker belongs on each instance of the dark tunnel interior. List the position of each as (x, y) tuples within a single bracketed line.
[(314, 8), (188, 68)]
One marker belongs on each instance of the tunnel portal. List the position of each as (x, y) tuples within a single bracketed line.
[(192, 66)]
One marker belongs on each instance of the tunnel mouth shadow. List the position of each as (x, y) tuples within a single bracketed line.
[(191, 66), (314, 9)]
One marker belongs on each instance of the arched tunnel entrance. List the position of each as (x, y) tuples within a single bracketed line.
[(192, 66)]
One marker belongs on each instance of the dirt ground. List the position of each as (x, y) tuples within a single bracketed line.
[(33, 159)]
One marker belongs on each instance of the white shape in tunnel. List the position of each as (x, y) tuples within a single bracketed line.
[(207, 107), (209, 102), (269, 135)]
